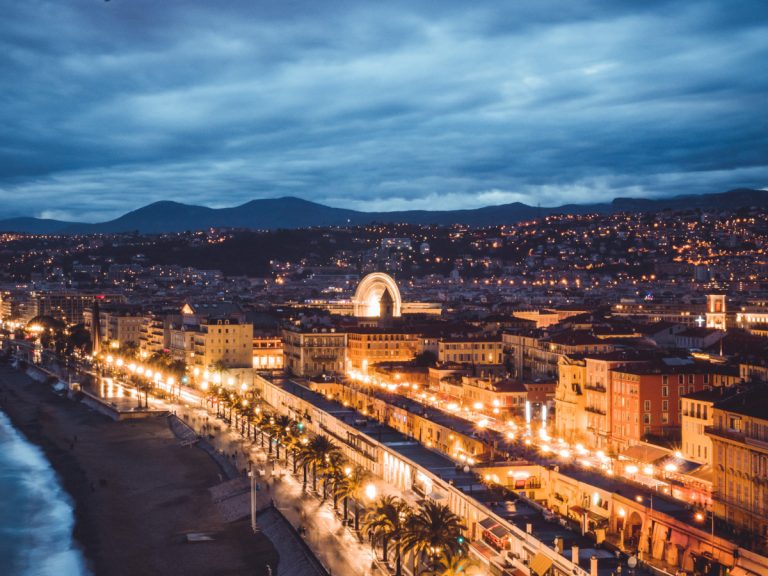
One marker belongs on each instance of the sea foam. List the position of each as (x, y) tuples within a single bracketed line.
[(36, 514)]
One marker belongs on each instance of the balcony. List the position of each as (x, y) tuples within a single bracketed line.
[(595, 410), (757, 443), (726, 433), (595, 387)]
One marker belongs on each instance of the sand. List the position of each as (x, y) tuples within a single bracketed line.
[(137, 491)]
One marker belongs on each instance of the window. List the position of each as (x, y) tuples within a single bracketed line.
[(665, 379), (664, 405), (665, 391), (647, 405), (680, 379), (681, 390), (646, 418), (664, 418), (690, 378)]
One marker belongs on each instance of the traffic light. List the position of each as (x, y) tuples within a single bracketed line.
[(460, 539)]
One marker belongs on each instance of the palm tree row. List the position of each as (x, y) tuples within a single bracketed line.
[(316, 454), (431, 534)]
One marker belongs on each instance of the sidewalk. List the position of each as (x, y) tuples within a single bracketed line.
[(336, 546)]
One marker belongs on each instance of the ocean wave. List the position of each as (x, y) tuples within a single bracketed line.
[(36, 514)]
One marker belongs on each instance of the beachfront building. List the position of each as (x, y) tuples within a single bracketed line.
[(367, 346), (739, 435), (697, 416), (223, 342), (314, 351), (267, 351), (120, 324), (154, 335)]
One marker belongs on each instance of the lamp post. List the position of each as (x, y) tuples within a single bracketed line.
[(254, 496), (701, 517), (640, 499)]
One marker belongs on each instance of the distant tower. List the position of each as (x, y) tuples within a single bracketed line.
[(95, 329), (716, 311), (386, 306)]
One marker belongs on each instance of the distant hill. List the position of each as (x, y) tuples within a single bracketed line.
[(291, 212), (34, 225)]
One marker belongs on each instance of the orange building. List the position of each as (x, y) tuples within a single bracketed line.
[(647, 399)]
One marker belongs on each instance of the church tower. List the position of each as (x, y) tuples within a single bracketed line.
[(386, 306), (716, 311)]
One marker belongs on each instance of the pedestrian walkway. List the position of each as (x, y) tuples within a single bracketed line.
[(287, 542), (334, 545)]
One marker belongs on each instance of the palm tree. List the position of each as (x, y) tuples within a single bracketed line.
[(332, 468), (349, 485), (303, 456), (318, 452), (263, 425), (219, 368), (282, 431), (388, 520), (434, 532), (457, 566)]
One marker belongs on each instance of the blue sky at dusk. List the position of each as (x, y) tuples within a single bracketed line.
[(107, 106)]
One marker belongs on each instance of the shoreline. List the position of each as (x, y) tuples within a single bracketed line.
[(135, 490)]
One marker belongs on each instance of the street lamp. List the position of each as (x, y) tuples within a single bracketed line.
[(701, 517), (640, 499)]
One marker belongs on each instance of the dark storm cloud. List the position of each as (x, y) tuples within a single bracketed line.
[(107, 106)]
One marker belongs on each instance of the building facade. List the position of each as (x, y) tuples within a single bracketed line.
[(312, 352), (739, 435)]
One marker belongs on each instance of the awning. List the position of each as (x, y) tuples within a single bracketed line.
[(500, 532), (482, 550), (577, 510), (644, 453), (488, 523), (540, 564)]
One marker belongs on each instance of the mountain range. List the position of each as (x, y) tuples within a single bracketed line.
[(290, 212)]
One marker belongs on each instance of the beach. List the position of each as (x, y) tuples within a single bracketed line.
[(137, 491)]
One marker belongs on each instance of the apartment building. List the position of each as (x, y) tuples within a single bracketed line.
[(739, 436)]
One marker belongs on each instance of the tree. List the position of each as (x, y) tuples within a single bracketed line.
[(129, 350), (332, 467), (303, 457), (350, 486), (220, 368), (457, 566), (434, 532), (281, 431), (425, 359), (78, 338), (51, 332), (388, 520), (318, 451)]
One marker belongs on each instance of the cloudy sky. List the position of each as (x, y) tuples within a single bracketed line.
[(108, 105)]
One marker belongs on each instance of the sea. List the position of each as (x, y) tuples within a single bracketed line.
[(36, 514)]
